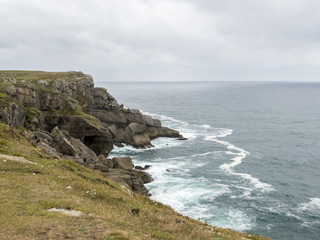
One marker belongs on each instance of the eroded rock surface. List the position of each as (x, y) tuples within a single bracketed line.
[(70, 118), (42, 100)]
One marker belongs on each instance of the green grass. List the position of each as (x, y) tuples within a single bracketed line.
[(27, 191), (40, 75), (4, 100)]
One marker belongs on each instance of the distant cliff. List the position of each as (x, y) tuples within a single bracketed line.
[(68, 117)]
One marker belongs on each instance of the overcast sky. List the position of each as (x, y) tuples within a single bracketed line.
[(164, 40)]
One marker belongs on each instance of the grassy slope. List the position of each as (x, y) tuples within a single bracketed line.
[(37, 75), (27, 191)]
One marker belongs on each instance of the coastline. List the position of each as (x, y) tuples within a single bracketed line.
[(52, 111)]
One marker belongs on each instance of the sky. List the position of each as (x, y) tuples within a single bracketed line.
[(164, 40)]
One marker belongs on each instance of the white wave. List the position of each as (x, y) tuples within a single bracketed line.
[(206, 126), (190, 131), (181, 195), (165, 118), (194, 155), (233, 218), (178, 187), (312, 206), (158, 143), (291, 215), (309, 224), (241, 154)]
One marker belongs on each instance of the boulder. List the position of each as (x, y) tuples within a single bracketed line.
[(85, 153), (136, 136), (111, 163), (42, 136), (182, 139), (136, 128), (142, 168), (117, 133), (149, 121), (156, 132), (146, 177), (61, 143), (49, 150), (101, 167), (123, 162), (130, 179), (73, 147)]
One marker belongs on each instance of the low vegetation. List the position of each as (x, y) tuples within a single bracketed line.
[(110, 211), (39, 75)]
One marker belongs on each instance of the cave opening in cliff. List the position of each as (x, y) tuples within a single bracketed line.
[(91, 142)]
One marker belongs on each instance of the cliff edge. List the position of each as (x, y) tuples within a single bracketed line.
[(67, 116)]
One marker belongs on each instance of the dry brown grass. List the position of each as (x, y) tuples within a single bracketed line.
[(27, 191)]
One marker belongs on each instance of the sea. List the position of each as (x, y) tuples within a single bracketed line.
[(252, 159)]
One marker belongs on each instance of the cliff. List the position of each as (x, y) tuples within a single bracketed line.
[(70, 101), (56, 180), (70, 118)]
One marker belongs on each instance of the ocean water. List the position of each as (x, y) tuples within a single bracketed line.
[(252, 161)]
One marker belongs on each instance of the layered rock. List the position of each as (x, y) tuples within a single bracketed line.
[(68, 117), (123, 171), (70, 101), (13, 115), (60, 144), (136, 135)]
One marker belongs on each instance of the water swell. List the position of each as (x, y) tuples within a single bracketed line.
[(240, 155), (176, 184)]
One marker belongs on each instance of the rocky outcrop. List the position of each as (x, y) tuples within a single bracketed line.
[(124, 173), (89, 131), (59, 143), (13, 115), (123, 162), (71, 102), (136, 135), (68, 117)]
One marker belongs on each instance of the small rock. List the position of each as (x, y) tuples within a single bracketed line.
[(119, 144), (142, 168), (123, 162), (146, 166), (180, 221), (135, 211), (73, 213), (69, 187), (182, 139), (101, 167)]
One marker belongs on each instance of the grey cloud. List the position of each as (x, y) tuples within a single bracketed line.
[(168, 40)]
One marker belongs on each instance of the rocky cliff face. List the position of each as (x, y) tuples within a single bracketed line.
[(68, 116)]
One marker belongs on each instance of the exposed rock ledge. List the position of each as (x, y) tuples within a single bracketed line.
[(68, 117)]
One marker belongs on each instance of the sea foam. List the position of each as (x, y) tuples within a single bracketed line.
[(312, 206), (240, 155), (174, 183)]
